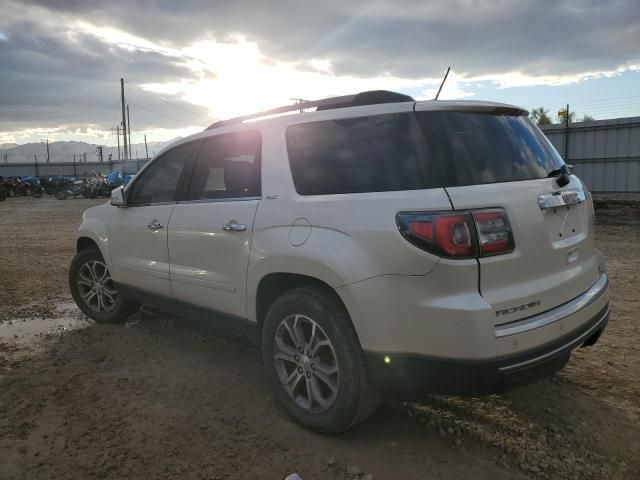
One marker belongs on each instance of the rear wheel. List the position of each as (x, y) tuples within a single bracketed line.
[(314, 361), (3, 196), (61, 195), (37, 192), (94, 291)]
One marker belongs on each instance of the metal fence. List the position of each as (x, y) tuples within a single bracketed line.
[(75, 169), (605, 153)]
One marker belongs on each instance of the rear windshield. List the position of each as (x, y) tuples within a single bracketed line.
[(407, 151), (476, 148)]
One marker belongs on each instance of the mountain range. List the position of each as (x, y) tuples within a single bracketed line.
[(64, 151)]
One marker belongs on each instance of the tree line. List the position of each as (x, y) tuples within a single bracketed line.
[(541, 116)]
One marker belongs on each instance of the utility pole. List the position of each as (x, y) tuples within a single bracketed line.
[(146, 149), (47, 143), (299, 101), (129, 130), (124, 119), (36, 159), (99, 152), (566, 136), (566, 116), (74, 165), (118, 136)]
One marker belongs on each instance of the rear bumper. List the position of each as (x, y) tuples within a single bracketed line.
[(413, 373), (407, 374)]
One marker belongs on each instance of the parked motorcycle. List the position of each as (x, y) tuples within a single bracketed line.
[(75, 188), (9, 186), (102, 185), (31, 186)]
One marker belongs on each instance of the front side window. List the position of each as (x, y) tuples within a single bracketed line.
[(356, 155), (158, 183), (228, 167)]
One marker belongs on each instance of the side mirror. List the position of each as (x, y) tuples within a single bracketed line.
[(117, 197)]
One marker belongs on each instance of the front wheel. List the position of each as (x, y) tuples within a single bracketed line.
[(94, 290), (314, 361), (61, 195), (37, 192)]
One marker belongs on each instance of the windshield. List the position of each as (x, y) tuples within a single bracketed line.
[(476, 148)]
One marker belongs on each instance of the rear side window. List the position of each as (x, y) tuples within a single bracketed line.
[(476, 148), (355, 155), (228, 167)]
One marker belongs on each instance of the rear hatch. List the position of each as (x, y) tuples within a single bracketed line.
[(497, 158)]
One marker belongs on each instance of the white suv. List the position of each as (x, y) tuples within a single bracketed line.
[(375, 244)]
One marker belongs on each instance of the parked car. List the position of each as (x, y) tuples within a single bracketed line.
[(378, 244)]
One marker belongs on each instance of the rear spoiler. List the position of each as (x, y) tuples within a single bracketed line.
[(471, 107)]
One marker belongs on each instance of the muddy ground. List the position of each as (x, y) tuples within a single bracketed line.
[(157, 398)]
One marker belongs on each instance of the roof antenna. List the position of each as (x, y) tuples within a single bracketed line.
[(442, 84)]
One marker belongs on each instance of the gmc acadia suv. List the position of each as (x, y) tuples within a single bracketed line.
[(375, 244)]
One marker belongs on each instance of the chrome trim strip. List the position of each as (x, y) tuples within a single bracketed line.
[(558, 313), (561, 199), (218, 200), (572, 344)]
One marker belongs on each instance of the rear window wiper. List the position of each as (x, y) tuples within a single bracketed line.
[(562, 175), (559, 171)]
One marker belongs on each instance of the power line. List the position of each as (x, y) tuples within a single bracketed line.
[(170, 103), (157, 113)]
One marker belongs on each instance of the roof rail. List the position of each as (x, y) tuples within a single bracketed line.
[(363, 98)]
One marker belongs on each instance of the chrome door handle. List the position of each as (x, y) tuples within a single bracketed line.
[(155, 225), (234, 226)]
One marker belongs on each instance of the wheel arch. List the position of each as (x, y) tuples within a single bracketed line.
[(93, 234), (274, 284), (82, 243)]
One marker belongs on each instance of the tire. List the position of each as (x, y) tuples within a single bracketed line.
[(11, 191), (37, 192), (354, 397), (61, 195), (3, 196), (80, 279)]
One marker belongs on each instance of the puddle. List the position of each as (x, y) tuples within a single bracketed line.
[(65, 317)]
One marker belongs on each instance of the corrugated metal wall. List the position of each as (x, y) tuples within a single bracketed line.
[(604, 153), (69, 168)]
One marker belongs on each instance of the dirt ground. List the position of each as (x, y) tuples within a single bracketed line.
[(158, 398)]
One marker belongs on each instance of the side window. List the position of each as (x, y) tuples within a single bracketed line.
[(355, 155), (228, 167), (159, 182)]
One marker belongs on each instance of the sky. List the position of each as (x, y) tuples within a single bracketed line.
[(187, 63)]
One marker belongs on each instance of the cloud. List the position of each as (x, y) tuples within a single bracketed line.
[(62, 59), (56, 76), (404, 38)]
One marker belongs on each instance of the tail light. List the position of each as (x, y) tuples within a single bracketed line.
[(494, 232), (466, 234)]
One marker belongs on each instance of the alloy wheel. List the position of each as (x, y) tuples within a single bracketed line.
[(96, 287), (306, 363)]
